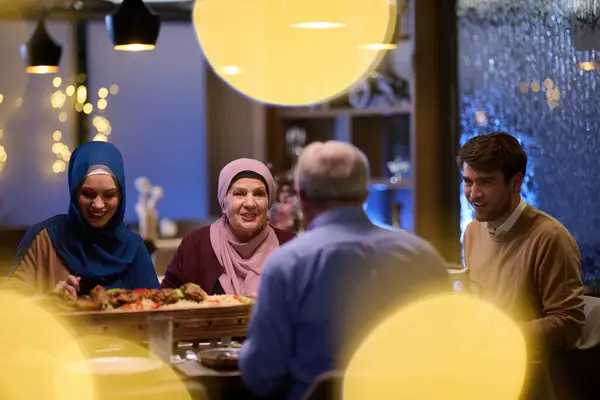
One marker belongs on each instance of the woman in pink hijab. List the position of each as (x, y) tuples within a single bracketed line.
[(227, 257)]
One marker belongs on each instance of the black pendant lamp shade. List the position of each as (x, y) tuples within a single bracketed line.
[(585, 37), (41, 53), (133, 26)]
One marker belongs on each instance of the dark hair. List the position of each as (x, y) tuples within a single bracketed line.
[(249, 174), (493, 152)]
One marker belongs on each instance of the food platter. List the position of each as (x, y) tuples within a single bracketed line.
[(188, 324), (127, 314)]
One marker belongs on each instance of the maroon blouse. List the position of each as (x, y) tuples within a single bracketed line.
[(196, 262)]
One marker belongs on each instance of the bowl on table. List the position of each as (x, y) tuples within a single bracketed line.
[(224, 358)]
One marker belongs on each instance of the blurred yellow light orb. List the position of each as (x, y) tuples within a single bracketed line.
[(294, 52), (448, 347), (120, 367), (34, 345)]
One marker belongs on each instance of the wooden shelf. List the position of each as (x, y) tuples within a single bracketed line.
[(385, 184), (305, 113)]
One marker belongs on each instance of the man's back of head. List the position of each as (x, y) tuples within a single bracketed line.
[(330, 174)]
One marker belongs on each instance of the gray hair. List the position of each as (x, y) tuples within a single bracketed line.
[(332, 171)]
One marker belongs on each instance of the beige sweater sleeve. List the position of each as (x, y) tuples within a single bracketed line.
[(39, 270), (557, 276)]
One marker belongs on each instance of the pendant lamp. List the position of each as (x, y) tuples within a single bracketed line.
[(41, 53), (133, 26)]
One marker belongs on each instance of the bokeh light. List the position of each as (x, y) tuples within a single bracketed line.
[(31, 356), (100, 121), (62, 152), (101, 104), (296, 52), (88, 108), (524, 87), (448, 347), (3, 157), (57, 99), (118, 366), (587, 66), (57, 148), (81, 94), (535, 86), (3, 154), (102, 124), (59, 166)]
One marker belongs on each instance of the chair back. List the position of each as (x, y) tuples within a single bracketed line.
[(574, 371), (590, 334)]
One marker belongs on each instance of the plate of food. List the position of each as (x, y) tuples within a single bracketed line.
[(188, 296), (224, 358)]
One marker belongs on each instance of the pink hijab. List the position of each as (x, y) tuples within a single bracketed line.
[(243, 261)]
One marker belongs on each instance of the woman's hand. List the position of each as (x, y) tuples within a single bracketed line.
[(69, 285), (252, 295)]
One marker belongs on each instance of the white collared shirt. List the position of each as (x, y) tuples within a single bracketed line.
[(510, 221)]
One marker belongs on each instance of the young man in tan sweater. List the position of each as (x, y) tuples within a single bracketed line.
[(520, 258)]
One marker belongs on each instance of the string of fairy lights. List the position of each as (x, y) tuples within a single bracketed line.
[(58, 100)]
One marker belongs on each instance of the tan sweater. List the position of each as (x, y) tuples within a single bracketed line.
[(40, 270), (532, 272)]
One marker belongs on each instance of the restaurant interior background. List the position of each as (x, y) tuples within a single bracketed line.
[(471, 66), (530, 67)]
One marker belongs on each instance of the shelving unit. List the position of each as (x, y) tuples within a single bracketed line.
[(316, 112), (382, 133), (382, 184)]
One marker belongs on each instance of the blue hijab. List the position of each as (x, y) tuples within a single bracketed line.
[(111, 256)]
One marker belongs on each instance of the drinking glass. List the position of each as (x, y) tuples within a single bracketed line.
[(459, 277)]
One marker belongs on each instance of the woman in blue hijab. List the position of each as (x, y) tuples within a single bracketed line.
[(89, 245)]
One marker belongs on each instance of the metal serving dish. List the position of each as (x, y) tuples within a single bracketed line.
[(225, 358)]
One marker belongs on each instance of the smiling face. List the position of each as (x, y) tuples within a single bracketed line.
[(98, 199), (492, 197), (245, 206)]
